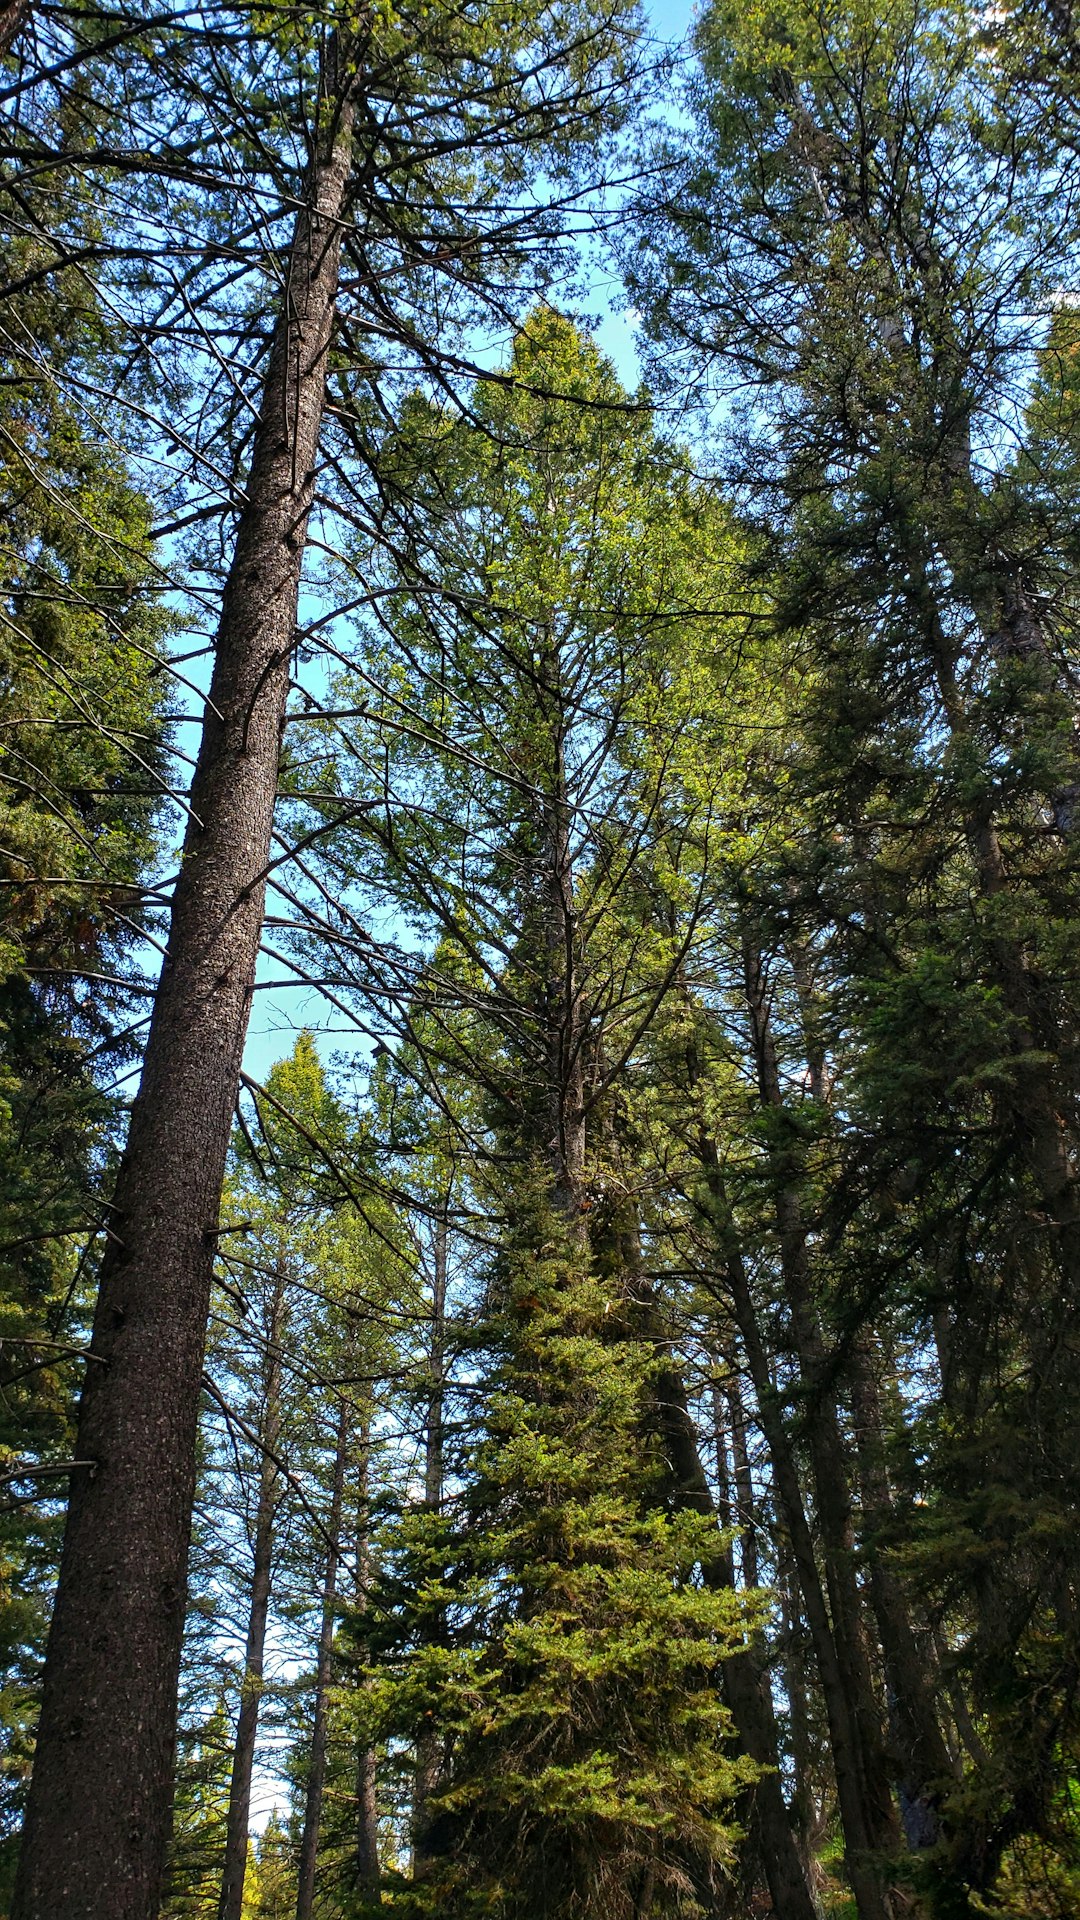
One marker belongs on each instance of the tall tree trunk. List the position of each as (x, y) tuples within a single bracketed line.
[(13, 17), (832, 1490), (872, 1898), (746, 1690), (368, 1871), (98, 1819), (923, 1764), (316, 1780), (804, 1810), (230, 1904), (745, 1505), (428, 1765)]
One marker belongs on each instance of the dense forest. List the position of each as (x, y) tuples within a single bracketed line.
[(539, 960)]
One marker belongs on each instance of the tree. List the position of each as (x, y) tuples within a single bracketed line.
[(97, 1833)]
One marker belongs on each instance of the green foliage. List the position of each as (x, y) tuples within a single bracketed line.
[(557, 1634)]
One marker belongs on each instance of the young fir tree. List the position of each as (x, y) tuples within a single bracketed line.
[(560, 540)]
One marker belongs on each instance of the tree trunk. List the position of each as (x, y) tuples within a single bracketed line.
[(13, 16), (230, 1904), (368, 1871), (924, 1767), (316, 1780), (804, 1809), (872, 1899), (745, 1505), (98, 1819), (746, 1690), (830, 1471), (428, 1767)]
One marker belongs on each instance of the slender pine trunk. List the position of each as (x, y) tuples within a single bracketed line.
[(231, 1901), (368, 1870), (97, 1825), (923, 1764), (316, 1780), (746, 1690), (428, 1765), (832, 1488), (872, 1898), (13, 17)]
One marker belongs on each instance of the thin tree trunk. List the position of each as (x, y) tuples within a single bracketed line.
[(745, 1506), (872, 1899), (316, 1780), (98, 1819), (231, 1901), (13, 17), (428, 1746), (746, 1691), (924, 1767), (804, 1811), (830, 1470), (368, 1871)]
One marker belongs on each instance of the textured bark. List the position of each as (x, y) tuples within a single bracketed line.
[(98, 1819), (368, 1871), (923, 1764), (428, 1746), (872, 1898), (13, 17), (230, 1904), (316, 1780), (832, 1490), (746, 1690)]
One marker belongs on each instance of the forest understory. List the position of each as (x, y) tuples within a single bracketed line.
[(539, 960)]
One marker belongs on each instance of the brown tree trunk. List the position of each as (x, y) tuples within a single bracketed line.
[(832, 1491), (804, 1809), (428, 1767), (872, 1899), (98, 1819), (745, 1506), (923, 1764), (746, 1690), (231, 1901), (13, 16), (368, 1871), (316, 1780)]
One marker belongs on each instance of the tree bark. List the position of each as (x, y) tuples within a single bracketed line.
[(98, 1820), (316, 1780), (230, 1904), (831, 1481), (746, 1690), (872, 1898), (923, 1764), (368, 1871), (13, 17), (428, 1767)]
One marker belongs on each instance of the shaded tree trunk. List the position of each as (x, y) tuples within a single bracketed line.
[(872, 1898), (316, 1780), (368, 1872), (13, 17), (98, 1820), (428, 1747), (923, 1764), (746, 1691), (238, 1821), (832, 1491)]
